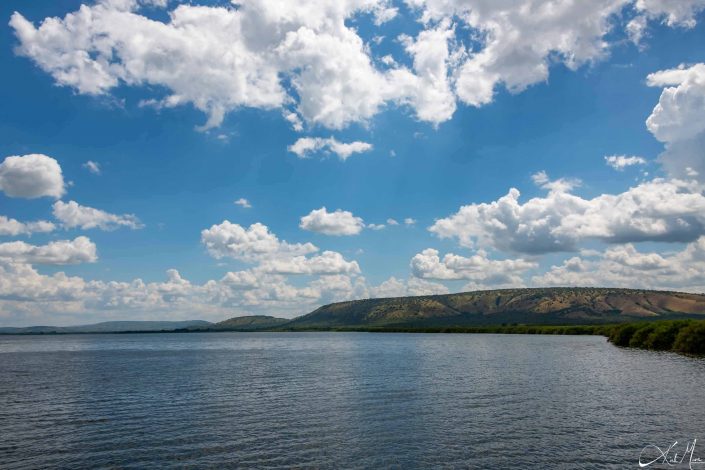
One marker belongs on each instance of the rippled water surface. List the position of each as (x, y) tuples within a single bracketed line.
[(340, 400)]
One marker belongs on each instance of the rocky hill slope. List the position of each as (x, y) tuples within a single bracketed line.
[(538, 306)]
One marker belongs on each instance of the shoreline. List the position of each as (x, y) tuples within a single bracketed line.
[(686, 337)]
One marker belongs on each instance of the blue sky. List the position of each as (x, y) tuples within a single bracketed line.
[(406, 84)]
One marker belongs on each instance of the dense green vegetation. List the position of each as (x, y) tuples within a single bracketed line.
[(499, 329), (682, 336)]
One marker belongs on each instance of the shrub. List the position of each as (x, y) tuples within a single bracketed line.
[(691, 339), (622, 334), (640, 336), (664, 335)]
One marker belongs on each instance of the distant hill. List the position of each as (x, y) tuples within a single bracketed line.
[(111, 327), (249, 323), (542, 306), (494, 307)]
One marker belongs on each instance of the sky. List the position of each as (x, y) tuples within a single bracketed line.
[(210, 159)]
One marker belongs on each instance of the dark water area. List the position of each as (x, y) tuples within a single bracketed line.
[(341, 400)]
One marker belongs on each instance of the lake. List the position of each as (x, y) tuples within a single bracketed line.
[(341, 400)]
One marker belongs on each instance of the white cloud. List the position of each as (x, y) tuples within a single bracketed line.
[(394, 287), (93, 167), (376, 226), (392, 222), (561, 185), (14, 227), (304, 147), (31, 176), (478, 268), (659, 210), (72, 215), (294, 120), (305, 55), (249, 244), (620, 162), (674, 12), (242, 202), (220, 58), (337, 223), (415, 286), (409, 221), (636, 29), (24, 290), (430, 91), (519, 40), (263, 288), (680, 107), (78, 250), (625, 266), (678, 120), (540, 178), (328, 262)]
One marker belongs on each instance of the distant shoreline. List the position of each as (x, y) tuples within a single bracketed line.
[(680, 336)]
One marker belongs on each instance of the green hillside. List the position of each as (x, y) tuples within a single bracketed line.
[(529, 306)]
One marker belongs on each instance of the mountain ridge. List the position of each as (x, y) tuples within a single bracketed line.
[(527, 305), (531, 306)]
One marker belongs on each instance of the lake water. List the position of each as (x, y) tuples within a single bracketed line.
[(341, 400)]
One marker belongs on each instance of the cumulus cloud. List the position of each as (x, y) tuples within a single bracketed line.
[(307, 146), (430, 89), (220, 58), (394, 287), (625, 266), (273, 260), (328, 262), (14, 227), (259, 289), (73, 215), (678, 120), (31, 176), (519, 39), (409, 221), (24, 289), (336, 223), (249, 244), (78, 250), (676, 116), (620, 162), (658, 210), (303, 54), (478, 268)]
